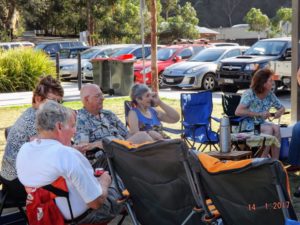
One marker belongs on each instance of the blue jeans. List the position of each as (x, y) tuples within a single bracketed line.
[(294, 152)]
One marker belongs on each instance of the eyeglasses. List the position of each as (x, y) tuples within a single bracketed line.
[(59, 101)]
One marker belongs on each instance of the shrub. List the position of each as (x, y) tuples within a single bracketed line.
[(20, 69)]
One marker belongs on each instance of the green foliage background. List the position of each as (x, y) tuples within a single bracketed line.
[(21, 68)]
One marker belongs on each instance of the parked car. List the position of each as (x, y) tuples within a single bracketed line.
[(237, 72), (200, 70), (135, 50), (51, 48), (165, 57), (71, 52), (69, 67), (9, 45)]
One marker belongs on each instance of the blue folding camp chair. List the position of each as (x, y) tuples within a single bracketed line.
[(196, 109)]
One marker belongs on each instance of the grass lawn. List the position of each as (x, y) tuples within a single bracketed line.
[(9, 115)]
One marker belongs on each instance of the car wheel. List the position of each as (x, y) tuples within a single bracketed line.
[(209, 82), (160, 80)]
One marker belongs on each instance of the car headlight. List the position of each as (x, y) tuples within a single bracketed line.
[(193, 70), (252, 66), (67, 67), (219, 66), (88, 66), (146, 70)]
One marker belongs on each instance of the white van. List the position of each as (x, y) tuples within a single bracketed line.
[(9, 45)]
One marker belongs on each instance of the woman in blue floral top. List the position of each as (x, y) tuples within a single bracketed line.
[(256, 103)]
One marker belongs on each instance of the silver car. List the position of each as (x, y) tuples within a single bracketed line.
[(200, 70), (68, 68)]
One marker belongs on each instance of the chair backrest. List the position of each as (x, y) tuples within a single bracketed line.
[(155, 178), (230, 101), (252, 191), (196, 107), (127, 108)]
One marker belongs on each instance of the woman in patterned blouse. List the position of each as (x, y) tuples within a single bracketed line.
[(256, 103), (23, 131)]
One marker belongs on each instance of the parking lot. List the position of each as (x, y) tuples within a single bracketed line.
[(72, 94)]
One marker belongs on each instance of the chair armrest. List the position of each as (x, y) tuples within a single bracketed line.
[(195, 125), (216, 119)]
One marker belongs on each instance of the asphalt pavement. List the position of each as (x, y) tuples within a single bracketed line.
[(72, 94)]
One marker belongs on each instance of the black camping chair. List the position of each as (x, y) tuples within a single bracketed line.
[(7, 201), (247, 192), (128, 106), (155, 178), (230, 102)]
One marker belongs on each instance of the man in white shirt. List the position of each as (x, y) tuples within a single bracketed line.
[(50, 156)]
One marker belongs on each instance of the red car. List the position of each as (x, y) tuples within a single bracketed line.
[(165, 57)]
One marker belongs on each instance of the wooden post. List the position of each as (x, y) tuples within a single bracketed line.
[(295, 91), (79, 76), (154, 47), (57, 66)]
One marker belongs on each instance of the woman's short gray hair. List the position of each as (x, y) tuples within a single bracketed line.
[(51, 113), (138, 90)]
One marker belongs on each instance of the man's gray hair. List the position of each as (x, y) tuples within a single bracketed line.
[(138, 90), (51, 113)]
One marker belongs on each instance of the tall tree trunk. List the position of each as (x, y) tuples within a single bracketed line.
[(153, 46)]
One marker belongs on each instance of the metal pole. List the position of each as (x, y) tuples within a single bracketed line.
[(295, 91), (142, 7), (79, 76), (153, 46), (57, 66)]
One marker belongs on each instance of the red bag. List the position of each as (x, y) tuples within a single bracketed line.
[(41, 208)]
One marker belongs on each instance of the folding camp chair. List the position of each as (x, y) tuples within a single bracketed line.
[(128, 106), (7, 201), (196, 110), (247, 192), (230, 102), (155, 178), (59, 189)]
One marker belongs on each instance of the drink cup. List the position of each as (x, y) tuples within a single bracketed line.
[(256, 128), (83, 139), (98, 172)]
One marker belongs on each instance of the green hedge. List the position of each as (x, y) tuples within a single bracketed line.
[(20, 69)]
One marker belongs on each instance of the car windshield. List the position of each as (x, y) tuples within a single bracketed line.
[(40, 46), (91, 53), (123, 51), (164, 54), (267, 48), (64, 53), (208, 55)]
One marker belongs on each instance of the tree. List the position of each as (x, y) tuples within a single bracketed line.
[(169, 6), (183, 25), (229, 7), (257, 20), (284, 16)]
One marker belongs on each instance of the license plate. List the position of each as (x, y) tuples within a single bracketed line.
[(169, 80), (230, 81)]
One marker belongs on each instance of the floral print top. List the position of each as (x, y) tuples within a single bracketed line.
[(19, 133), (107, 126), (255, 104)]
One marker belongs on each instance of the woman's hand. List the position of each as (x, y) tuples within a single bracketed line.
[(155, 98), (155, 135), (265, 115)]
